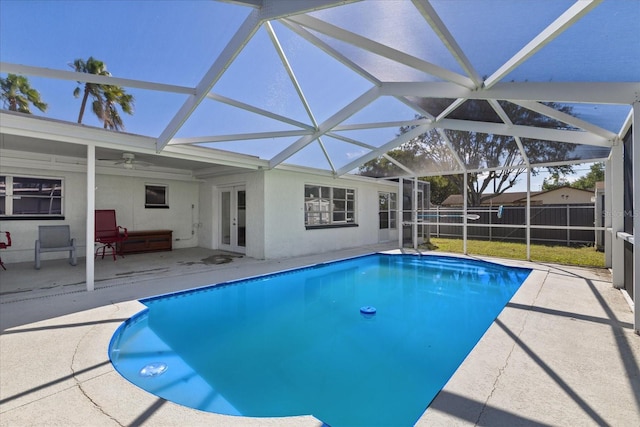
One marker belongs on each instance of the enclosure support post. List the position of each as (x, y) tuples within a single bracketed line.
[(464, 215), (617, 215), (528, 215), (568, 225), (400, 209), (607, 213), (414, 214), (91, 201), (635, 139)]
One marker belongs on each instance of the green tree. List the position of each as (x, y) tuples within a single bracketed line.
[(588, 182), (430, 153), (441, 188), (555, 180), (104, 98), (115, 96), (17, 94)]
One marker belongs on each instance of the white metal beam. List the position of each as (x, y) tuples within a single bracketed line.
[(305, 34), (451, 108), (350, 140), (90, 218), (375, 125), (382, 50), (507, 120), (431, 16), (256, 110), (557, 27), (622, 93), (355, 106), (573, 137), (292, 76), (50, 73), (566, 118), (222, 62), (401, 139), (239, 137), (275, 9)]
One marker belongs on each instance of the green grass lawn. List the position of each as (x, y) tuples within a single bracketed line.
[(583, 256)]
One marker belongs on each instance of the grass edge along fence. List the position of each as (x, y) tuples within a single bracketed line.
[(584, 256)]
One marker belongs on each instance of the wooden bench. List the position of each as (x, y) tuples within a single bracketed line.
[(146, 241)]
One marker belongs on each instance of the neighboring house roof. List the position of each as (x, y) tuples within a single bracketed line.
[(514, 198), (562, 195)]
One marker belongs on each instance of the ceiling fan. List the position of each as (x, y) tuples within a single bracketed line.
[(128, 161)]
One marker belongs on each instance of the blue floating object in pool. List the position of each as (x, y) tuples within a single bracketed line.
[(368, 311), (153, 369)]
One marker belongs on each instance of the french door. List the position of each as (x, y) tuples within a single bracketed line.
[(233, 219)]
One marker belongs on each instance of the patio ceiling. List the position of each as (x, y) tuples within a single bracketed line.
[(329, 84)]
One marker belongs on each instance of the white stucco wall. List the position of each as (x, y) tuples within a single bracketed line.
[(564, 196), (24, 233), (127, 194), (275, 215), (253, 182), (285, 233), (115, 189)]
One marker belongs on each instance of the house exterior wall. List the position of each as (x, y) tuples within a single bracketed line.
[(127, 196), (275, 209), (24, 233), (564, 196), (210, 192), (117, 189), (285, 233)]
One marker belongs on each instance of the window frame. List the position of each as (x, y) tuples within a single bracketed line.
[(8, 197), (147, 203), (335, 207)]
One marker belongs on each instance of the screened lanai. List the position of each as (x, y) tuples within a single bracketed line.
[(332, 86)]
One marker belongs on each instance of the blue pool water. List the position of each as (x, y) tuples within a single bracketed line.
[(367, 341)]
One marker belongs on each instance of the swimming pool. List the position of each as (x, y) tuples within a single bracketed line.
[(360, 342)]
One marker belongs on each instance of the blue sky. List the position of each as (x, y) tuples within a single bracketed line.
[(175, 42)]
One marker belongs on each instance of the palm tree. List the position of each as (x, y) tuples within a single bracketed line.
[(104, 97), (91, 66), (17, 94), (113, 96)]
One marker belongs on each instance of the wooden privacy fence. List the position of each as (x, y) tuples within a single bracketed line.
[(550, 224)]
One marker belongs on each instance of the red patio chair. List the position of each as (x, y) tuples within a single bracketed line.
[(108, 232), (5, 245)]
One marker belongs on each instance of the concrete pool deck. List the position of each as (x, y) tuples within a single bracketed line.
[(562, 352)]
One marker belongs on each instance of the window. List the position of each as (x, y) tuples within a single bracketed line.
[(26, 197), (387, 210), (328, 206), (156, 196)]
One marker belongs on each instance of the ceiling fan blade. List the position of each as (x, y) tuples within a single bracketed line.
[(142, 163)]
